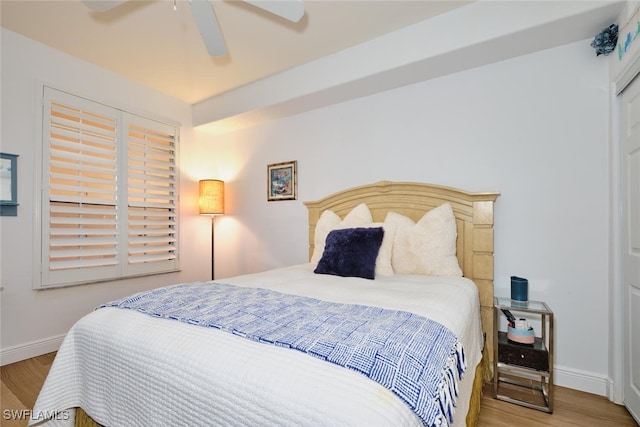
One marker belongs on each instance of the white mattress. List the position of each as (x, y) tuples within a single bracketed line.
[(130, 369)]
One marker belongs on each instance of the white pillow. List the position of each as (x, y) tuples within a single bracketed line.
[(427, 247), (383, 261), (360, 216)]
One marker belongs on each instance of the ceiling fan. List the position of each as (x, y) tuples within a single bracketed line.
[(203, 14)]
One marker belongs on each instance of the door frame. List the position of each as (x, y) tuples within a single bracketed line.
[(616, 290), (615, 386)]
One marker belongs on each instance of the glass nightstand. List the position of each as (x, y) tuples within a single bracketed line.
[(520, 368)]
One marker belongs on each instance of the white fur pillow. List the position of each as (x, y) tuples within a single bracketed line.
[(383, 261), (328, 221), (360, 216), (427, 247)]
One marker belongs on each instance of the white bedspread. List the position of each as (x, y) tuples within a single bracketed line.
[(130, 369)]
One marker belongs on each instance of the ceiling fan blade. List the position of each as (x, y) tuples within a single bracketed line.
[(102, 5), (209, 28), (291, 10)]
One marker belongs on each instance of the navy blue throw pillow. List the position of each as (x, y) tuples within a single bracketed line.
[(351, 252)]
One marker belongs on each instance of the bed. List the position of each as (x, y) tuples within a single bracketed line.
[(125, 364)]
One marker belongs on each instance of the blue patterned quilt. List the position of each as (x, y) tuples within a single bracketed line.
[(416, 358)]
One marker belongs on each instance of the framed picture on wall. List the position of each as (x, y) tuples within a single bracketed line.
[(282, 181), (8, 184)]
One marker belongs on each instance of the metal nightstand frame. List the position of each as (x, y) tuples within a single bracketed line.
[(518, 373)]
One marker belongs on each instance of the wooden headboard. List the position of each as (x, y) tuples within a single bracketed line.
[(474, 217)]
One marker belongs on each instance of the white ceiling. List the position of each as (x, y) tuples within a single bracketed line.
[(150, 43)]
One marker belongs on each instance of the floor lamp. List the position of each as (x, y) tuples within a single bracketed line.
[(211, 202)]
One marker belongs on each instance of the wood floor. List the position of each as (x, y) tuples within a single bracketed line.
[(22, 381)]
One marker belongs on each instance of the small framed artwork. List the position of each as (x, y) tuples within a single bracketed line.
[(282, 181), (8, 184)]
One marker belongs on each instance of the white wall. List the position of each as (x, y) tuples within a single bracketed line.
[(34, 322), (534, 127)]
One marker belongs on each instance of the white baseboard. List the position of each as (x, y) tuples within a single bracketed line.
[(29, 350), (582, 380)]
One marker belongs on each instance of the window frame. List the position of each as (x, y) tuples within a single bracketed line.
[(118, 267)]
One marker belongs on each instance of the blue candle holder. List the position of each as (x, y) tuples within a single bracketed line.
[(519, 289)]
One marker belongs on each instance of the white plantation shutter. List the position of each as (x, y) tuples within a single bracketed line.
[(152, 197), (109, 193)]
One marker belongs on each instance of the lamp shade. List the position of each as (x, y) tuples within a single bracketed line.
[(211, 200)]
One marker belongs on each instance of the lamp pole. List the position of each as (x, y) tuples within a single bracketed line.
[(213, 247), (211, 202)]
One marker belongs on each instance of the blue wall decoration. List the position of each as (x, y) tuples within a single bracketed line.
[(8, 184), (605, 41), (629, 33)]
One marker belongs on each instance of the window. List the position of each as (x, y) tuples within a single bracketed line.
[(109, 193)]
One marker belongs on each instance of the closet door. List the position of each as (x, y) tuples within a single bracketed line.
[(630, 134)]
